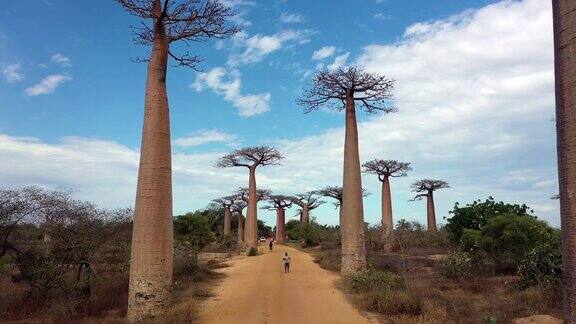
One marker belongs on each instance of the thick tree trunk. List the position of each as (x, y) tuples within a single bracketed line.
[(352, 226), (564, 12), (387, 221), (430, 212), (305, 215), (246, 229), (281, 226), (240, 229), (227, 222), (152, 250), (252, 210)]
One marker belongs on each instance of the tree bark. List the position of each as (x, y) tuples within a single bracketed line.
[(240, 229), (305, 215), (152, 246), (281, 226), (227, 222), (564, 13), (387, 221), (252, 210), (352, 226), (430, 212)]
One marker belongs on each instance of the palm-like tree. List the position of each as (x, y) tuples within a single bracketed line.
[(279, 203), (341, 90), (564, 13), (426, 188)]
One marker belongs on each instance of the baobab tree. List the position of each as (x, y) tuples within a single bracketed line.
[(164, 23), (386, 169), (336, 193), (308, 201), (564, 17), (242, 194), (341, 90), (225, 203), (237, 208), (426, 188), (279, 203)]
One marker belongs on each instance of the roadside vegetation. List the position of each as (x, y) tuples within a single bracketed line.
[(491, 262)]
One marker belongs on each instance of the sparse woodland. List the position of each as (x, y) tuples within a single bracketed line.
[(62, 259)]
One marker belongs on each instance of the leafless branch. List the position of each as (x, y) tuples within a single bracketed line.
[(387, 168)]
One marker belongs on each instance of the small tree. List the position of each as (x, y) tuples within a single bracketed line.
[(226, 203), (386, 169), (279, 203), (426, 188), (341, 90), (307, 201), (251, 158), (169, 21)]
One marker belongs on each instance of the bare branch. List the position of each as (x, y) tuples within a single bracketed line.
[(251, 157), (336, 193), (309, 199), (386, 168), (425, 187)]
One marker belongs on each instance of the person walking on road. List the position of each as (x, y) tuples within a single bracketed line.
[(271, 244), (286, 260)]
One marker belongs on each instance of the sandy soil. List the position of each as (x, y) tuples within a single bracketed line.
[(256, 290)]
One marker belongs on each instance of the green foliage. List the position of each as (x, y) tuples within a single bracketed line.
[(253, 251), (505, 240), (40, 271), (263, 229), (312, 234), (367, 280), (185, 259), (414, 235), (475, 215), (195, 229), (543, 264), (457, 265)]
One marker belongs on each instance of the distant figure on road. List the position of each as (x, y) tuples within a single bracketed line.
[(271, 244), (286, 260)]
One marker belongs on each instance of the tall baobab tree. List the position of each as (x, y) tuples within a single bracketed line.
[(307, 201), (226, 203), (386, 169), (426, 188), (564, 15), (336, 193), (341, 90), (279, 203), (164, 22), (237, 208), (243, 195)]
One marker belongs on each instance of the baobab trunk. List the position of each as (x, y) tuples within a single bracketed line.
[(387, 221), (564, 12), (281, 226), (246, 230), (352, 226), (252, 210), (430, 212), (227, 222), (240, 229), (152, 250), (305, 219)]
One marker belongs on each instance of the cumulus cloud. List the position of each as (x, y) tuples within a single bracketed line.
[(48, 85), (12, 73), (290, 18), (203, 137), (339, 61), (61, 60), (323, 52), (229, 85)]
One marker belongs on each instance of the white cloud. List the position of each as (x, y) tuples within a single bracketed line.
[(12, 73), (258, 46), (48, 85), (323, 52), (215, 79), (205, 137), (339, 61), (61, 60), (290, 18), (381, 16)]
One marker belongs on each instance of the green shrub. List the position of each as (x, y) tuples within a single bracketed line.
[(185, 259), (368, 280), (475, 215), (505, 240), (543, 264), (195, 229), (457, 265), (40, 271), (253, 251)]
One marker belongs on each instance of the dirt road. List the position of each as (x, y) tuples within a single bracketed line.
[(256, 290)]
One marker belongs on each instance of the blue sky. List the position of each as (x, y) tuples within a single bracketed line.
[(474, 94)]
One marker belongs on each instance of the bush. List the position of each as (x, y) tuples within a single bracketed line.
[(253, 251), (329, 260), (475, 215), (393, 303), (457, 265), (195, 229), (543, 264), (312, 234), (505, 240), (412, 235), (41, 272), (185, 259), (368, 280)]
